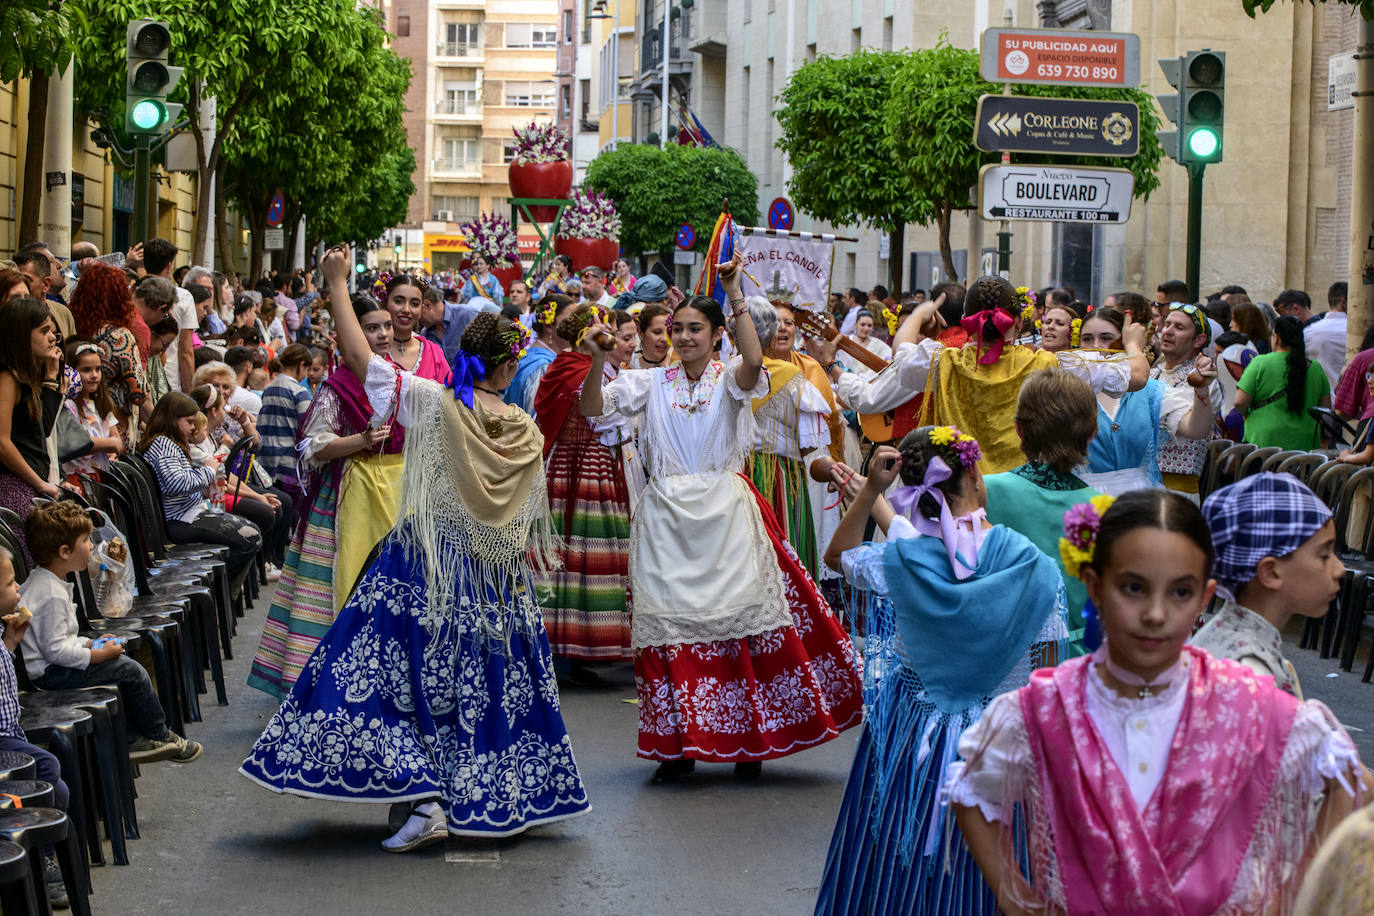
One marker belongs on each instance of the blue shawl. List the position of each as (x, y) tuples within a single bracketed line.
[(535, 361)]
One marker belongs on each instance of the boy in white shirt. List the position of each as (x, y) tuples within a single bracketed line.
[(57, 658)]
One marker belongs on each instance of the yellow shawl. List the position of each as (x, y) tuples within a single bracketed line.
[(981, 400), (779, 374)]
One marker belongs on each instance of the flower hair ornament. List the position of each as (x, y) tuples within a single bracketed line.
[(1026, 296), (891, 318), (1076, 548), (1077, 332), (550, 312), (961, 544), (379, 286), (515, 340), (597, 314), (668, 328)]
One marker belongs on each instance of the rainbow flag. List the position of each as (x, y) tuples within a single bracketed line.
[(722, 248)]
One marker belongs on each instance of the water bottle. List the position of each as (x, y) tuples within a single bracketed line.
[(217, 491)]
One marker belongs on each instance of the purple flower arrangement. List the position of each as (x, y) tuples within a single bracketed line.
[(492, 236), (540, 143), (589, 216)]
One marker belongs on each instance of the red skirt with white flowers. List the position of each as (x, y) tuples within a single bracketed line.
[(755, 698)]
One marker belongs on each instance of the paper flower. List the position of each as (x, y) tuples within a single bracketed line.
[(589, 216), (492, 236), (540, 143), (1081, 525)]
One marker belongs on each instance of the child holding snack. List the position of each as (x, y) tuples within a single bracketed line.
[(1152, 778), (59, 536)]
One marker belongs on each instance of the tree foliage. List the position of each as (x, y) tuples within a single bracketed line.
[(657, 190), (1366, 7), (34, 35), (844, 163), (930, 117)]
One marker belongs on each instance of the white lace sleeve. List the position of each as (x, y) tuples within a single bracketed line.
[(627, 394), (733, 389), (995, 757), (384, 394), (323, 426), (812, 429), (1319, 750), (1177, 404), (1109, 374), (901, 527), (862, 566)]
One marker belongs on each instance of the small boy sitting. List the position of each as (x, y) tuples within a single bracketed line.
[(59, 536), (1276, 556), (12, 737)]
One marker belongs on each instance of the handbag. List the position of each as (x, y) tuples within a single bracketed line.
[(72, 439)]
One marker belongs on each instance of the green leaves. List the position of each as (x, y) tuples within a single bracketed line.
[(1366, 7), (657, 190), (34, 35)]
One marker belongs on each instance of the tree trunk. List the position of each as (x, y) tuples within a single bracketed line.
[(894, 261), (1360, 277), (228, 246), (257, 226), (292, 218), (942, 215), (205, 172), (33, 157)]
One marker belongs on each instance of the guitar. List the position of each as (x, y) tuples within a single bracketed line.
[(877, 427)]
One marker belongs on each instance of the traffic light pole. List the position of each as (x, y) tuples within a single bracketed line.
[(1195, 170), (142, 180)]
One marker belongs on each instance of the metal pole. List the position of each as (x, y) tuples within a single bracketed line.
[(142, 178), (1003, 226), (1195, 171), (663, 127), (1360, 272)]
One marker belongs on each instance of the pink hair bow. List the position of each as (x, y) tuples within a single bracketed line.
[(974, 324)]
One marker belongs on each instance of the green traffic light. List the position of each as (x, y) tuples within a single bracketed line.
[(359, 268), (1203, 142), (147, 114)]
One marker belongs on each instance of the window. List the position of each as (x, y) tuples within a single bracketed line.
[(584, 98), (459, 154), (459, 99), (527, 35), (454, 209), (567, 27), (508, 151), (526, 94), (566, 106), (402, 26)]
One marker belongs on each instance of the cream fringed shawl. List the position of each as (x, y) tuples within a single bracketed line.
[(474, 507)]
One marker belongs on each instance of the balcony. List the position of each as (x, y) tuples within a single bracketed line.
[(464, 167), (679, 46), (469, 52), (458, 110), (460, 4)]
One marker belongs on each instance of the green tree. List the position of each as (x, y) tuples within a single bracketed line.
[(930, 121), (1366, 7), (844, 162), (35, 42), (335, 153), (656, 190), (245, 54)]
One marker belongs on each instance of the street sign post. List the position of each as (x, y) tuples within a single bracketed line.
[(780, 213), (1070, 127), (1058, 194), (1061, 57), (686, 236), (276, 209), (274, 239)]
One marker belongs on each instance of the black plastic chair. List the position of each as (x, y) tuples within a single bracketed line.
[(1253, 462), (1359, 568), (18, 896), (1334, 429), (1227, 468), (1302, 465), (68, 734), (35, 829), (1272, 463), (1208, 478), (14, 765)]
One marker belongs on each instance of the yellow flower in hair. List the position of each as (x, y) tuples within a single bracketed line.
[(547, 316), (1077, 330), (943, 435), (891, 318), (1102, 503), (1073, 558)]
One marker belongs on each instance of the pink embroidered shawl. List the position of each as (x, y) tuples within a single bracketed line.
[(1181, 855)]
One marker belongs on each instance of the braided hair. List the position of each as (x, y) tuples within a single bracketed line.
[(991, 292), (1289, 331), (486, 336), (917, 451)]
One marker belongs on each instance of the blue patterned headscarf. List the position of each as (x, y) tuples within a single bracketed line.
[(1264, 515)]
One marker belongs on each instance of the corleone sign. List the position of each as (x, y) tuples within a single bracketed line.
[(1070, 195), (1061, 57), (1071, 127)]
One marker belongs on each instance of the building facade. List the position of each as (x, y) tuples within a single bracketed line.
[(481, 68)]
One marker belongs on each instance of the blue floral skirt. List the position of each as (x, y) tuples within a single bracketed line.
[(401, 701)]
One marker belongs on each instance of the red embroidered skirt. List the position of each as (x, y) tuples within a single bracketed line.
[(756, 698)]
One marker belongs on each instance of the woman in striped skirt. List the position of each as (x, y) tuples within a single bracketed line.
[(586, 602)]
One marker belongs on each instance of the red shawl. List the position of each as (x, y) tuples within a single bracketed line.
[(559, 392)]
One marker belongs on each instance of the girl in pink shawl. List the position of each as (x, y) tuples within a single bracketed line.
[(1154, 779)]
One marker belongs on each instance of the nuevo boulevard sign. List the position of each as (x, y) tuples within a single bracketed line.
[(1070, 127), (1061, 57), (1075, 195)]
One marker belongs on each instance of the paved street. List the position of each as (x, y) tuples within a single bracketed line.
[(213, 840)]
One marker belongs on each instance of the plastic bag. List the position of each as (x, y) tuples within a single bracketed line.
[(112, 572)]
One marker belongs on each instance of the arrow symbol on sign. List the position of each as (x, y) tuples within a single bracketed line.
[(1005, 123)]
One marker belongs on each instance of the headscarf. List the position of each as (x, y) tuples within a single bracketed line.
[(1263, 515), (647, 289)]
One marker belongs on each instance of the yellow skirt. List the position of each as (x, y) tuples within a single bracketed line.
[(368, 505)]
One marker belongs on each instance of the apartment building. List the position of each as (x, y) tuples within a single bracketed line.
[(480, 70)]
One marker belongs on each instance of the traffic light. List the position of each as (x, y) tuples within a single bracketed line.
[(1198, 108), (150, 80)]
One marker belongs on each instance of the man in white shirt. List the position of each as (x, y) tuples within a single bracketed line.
[(180, 360), (1326, 337), (594, 288), (240, 359)]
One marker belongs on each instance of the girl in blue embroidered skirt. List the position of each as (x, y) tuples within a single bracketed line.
[(957, 611), (435, 684)]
